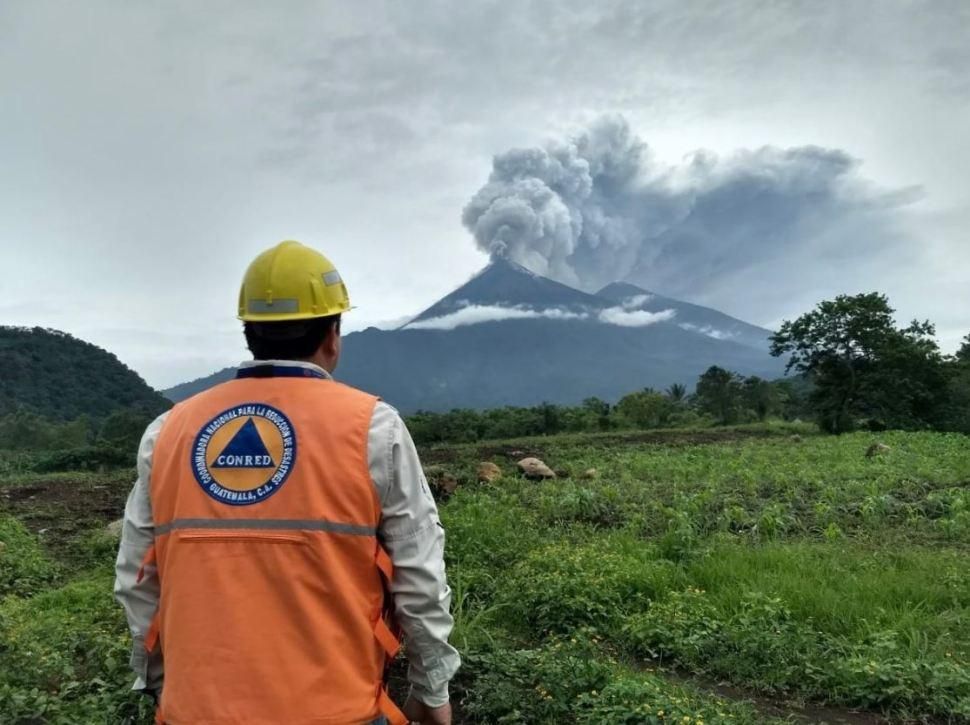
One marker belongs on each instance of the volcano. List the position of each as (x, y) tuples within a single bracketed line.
[(511, 337)]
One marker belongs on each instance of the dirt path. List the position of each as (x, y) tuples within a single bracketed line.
[(780, 708)]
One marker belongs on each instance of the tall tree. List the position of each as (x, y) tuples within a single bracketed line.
[(760, 396), (645, 409), (677, 393), (719, 394), (862, 365), (600, 409), (963, 354), (956, 414)]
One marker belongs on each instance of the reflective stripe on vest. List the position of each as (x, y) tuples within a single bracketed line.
[(272, 579), (266, 525)]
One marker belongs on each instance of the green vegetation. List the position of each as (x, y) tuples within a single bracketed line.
[(58, 392), (798, 569), (722, 398), (854, 370), (864, 367), (24, 568), (784, 563)]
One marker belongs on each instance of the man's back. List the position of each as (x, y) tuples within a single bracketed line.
[(266, 549)]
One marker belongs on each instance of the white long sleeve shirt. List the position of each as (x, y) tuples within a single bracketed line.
[(410, 531)]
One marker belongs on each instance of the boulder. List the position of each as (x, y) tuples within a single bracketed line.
[(796, 438), (440, 480), (589, 474), (488, 472), (535, 469), (115, 527), (448, 484), (877, 449)]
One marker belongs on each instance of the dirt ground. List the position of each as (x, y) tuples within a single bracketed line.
[(534, 447)]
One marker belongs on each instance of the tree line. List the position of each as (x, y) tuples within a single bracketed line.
[(851, 366), (721, 398)]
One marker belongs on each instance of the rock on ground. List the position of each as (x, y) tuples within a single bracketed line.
[(535, 469), (114, 528), (877, 449), (488, 472), (440, 480), (448, 484)]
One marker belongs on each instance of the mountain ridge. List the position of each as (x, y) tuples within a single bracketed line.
[(698, 318), (61, 377), (500, 283), (508, 336)]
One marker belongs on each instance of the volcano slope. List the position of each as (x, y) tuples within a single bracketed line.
[(697, 577), (511, 337)]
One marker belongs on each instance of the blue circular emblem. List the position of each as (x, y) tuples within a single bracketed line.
[(245, 454)]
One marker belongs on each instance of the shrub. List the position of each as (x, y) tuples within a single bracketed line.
[(572, 680), (587, 503), (24, 568), (487, 534), (564, 586), (86, 458), (64, 658), (540, 685), (761, 644)]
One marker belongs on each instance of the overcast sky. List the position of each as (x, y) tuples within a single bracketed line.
[(149, 150)]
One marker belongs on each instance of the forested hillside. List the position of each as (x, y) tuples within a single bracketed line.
[(59, 377)]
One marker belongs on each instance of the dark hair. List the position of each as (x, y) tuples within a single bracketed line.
[(288, 340)]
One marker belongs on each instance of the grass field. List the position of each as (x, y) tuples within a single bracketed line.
[(737, 575)]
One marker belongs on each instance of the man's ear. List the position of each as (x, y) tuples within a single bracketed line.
[(331, 343)]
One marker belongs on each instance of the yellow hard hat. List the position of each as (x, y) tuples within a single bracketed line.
[(291, 282)]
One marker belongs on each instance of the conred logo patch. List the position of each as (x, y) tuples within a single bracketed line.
[(244, 455)]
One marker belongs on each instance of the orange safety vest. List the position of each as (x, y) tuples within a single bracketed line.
[(273, 604)]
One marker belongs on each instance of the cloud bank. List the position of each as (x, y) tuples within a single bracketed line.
[(634, 318), (621, 315), (707, 330), (477, 314)]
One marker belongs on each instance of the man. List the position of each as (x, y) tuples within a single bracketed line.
[(279, 524)]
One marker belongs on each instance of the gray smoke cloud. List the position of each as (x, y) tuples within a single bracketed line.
[(598, 208)]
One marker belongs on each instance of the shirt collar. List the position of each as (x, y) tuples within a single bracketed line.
[(287, 364)]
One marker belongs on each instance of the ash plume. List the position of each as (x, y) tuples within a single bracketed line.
[(598, 208)]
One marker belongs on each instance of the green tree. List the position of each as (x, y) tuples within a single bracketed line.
[(963, 354), (794, 397), (956, 411), (123, 429), (645, 409), (760, 396), (862, 365), (551, 415), (600, 411), (719, 394), (677, 394)]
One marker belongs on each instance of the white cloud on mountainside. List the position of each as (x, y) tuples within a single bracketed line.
[(477, 314), (634, 318), (708, 330)]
